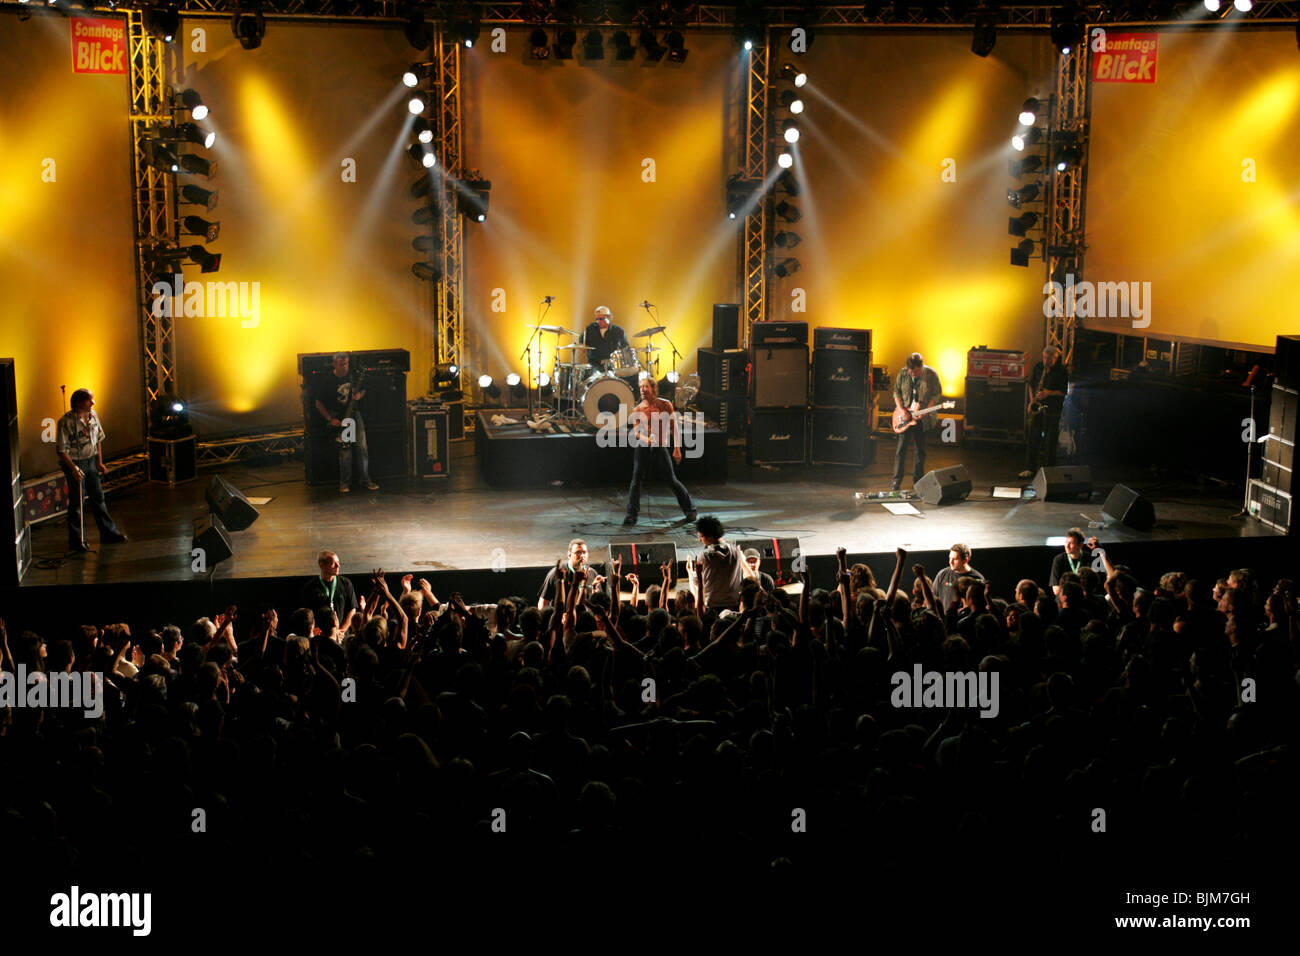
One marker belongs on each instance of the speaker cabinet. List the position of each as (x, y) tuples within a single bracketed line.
[(778, 333), (722, 371), (852, 340), (840, 378), (173, 461), (839, 437), (1126, 506), (777, 556), (211, 536), (642, 557), (778, 437), (995, 404), (944, 486), (387, 446), (726, 325), (1282, 413), (16, 555), (780, 377), (1063, 483), (1269, 505), (728, 411), (1286, 362), (229, 504), (430, 433)]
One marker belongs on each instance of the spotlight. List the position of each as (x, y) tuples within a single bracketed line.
[(794, 74), (249, 28), (417, 31), (190, 100), (784, 159), (472, 198), (169, 417), (445, 377), (188, 133), (565, 41), (1021, 253), (489, 388), (420, 188), (1067, 27), (425, 216), (415, 105), (162, 22), (1244, 6), (198, 166), (1029, 112), (789, 99), (1030, 137), (654, 50), (1020, 225), (673, 377), (465, 25), (539, 45), (751, 24), (198, 196), (985, 36), (623, 48), (160, 157), (410, 78), (201, 227), (424, 243), (1070, 156), (513, 379), (593, 46), (422, 130), (787, 212), (427, 270), (1026, 193), (516, 385), (786, 240), (1021, 167), (786, 267), (787, 184), (1211, 5), (742, 196), (422, 155), (485, 380), (206, 261), (543, 380), (677, 51)]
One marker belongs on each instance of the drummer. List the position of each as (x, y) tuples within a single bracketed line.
[(603, 337)]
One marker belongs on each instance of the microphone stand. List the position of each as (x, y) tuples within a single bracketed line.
[(1250, 445), (527, 356)]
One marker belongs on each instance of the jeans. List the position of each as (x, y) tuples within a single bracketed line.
[(643, 460), (94, 492), (1044, 436), (913, 436), (363, 455)]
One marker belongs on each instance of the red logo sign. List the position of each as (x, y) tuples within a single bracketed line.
[(98, 46), (1126, 58)]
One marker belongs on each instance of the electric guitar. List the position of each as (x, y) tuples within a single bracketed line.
[(903, 419), (351, 411)]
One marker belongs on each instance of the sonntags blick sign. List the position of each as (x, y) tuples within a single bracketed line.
[(98, 46), (1126, 58)]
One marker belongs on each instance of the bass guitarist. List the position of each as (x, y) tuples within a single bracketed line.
[(916, 388), (337, 396)]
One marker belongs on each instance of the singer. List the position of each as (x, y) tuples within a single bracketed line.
[(602, 337), (81, 456)]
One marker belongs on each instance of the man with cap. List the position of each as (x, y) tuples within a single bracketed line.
[(916, 387), (753, 558), (602, 337)]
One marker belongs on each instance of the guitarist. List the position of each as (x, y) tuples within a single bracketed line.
[(915, 388), (336, 398)]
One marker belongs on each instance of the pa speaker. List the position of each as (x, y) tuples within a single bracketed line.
[(726, 325), (211, 537), (229, 504), (1126, 506), (944, 486), (1063, 483), (778, 557), (647, 555)]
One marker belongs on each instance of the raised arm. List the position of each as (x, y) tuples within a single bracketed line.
[(901, 558), (666, 569), (842, 583), (927, 592)]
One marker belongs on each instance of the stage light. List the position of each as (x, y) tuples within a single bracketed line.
[(1021, 253), (205, 260), (198, 166), (424, 243), (425, 216), (543, 380), (1067, 27), (198, 196), (1070, 156), (784, 210), (427, 270), (160, 157), (410, 79), (623, 48), (169, 417), (742, 196), (420, 188), (1244, 6), (196, 226), (565, 41), (1026, 193), (673, 377), (446, 376), (784, 160), (415, 105), (790, 130), (1029, 112), (516, 385), (422, 155), (513, 379), (1022, 167), (593, 46), (1030, 137), (1211, 5), (249, 29), (472, 198), (417, 32), (489, 388), (677, 51), (985, 35), (793, 74), (789, 99), (787, 184), (422, 130), (190, 100), (786, 267), (162, 22), (188, 133), (539, 45), (484, 380), (465, 25), (749, 45), (786, 240), (654, 50), (751, 24), (1020, 225)]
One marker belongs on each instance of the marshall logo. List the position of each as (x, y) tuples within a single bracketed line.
[(833, 437), (785, 437), (839, 376)]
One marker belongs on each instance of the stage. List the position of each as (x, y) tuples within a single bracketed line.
[(460, 524)]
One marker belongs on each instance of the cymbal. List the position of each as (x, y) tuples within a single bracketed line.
[(565, 348), (653, 330), (647, 348), (554, 329)]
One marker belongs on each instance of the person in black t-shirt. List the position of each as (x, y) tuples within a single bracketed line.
[(602, 337), (335, 396), (1078, 554), (330, 588), (1046, 388)]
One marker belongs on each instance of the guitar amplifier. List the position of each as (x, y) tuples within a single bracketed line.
[(722, 371), (778, 437), (852, 340), (780, 377), (778, 333)]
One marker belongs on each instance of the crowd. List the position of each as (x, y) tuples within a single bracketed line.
[(686, 723)]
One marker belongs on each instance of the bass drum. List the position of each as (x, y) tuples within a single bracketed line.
[(605, 393)]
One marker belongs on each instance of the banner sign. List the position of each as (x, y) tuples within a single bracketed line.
[(1126, 58), (98, 46)]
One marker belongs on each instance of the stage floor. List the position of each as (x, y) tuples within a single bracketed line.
[(460, 523)]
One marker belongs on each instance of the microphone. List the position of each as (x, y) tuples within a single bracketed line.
[(549, 299), (647, 305)]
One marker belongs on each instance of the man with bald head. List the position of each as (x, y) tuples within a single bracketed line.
[(603, 337)]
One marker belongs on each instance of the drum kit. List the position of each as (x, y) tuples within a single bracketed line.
[(583, 390)]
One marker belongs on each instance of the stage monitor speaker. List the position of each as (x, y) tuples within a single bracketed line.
[(645, 555), (211, 537), (780, 377), (839, 437), (996, 403), (779, 557), (1286, 362), (229, 504), (944, 486), (840, 378), (1126, 506), (778, 437), (1063, 483), (727, 411), (726, 325), (722, 371)]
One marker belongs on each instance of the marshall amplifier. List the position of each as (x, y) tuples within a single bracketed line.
[(728, 411), (840, 438), (780, 377), (1269, 505), (778, 437), (778, 333), (722, 371), (841, 379), (854, 340)]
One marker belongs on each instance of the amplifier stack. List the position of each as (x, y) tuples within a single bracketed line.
[(383, 410), (841, 370), (778, 393), (995, 395), (1270, 495)]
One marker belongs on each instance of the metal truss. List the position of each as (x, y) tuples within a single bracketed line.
[(277, 440), (449, 291), (154, 205), (753, 234), (1063, 236)]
